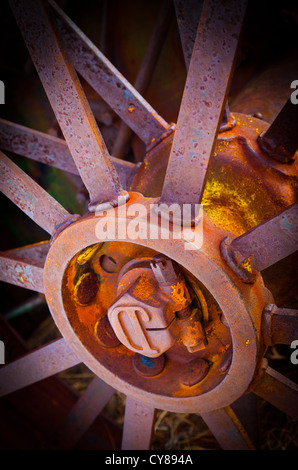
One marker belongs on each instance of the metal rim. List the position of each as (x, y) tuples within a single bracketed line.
[(244, 336)]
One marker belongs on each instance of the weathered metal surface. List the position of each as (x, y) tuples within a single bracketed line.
[(21, 272), (279, 325), (266, 243), (173, 285), (203, 101), (37, 365), (280, 141), (145, 72), (86, 288), (30, 197), (108, 82), (68, 102), (154, 311), (84, 413), (115, 365), (36, 252), (148, 366), (143, 324), (188, 16), (227, 429), (278, 390), (81, 283), (105, 333), (49, 149), (262, 189), (36, 145), (194, 372), (138, 426)]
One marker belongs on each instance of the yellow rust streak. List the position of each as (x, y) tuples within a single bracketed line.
[(87, 253)]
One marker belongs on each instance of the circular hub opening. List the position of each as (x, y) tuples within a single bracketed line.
[(121, 339), (111, 300)]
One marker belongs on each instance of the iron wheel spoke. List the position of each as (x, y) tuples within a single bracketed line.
[(36, 252), (227, 429), (269, 241), (146, 71), (188, 16), (48, 149), (277, 390), (30, 197), (37, 365), (106, 80), (84, 412), (68, 101), (280, 141), (203, 101), (279, 325), (138, 426), (21, 272)]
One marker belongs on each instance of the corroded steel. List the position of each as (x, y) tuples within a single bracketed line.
[(251, 201), (91, 280), (188, 16), (109, 83), (203, 101), (140, 316), (30, 197), (37, 251), (280, 141), (279, 325), (138, 426), (268, 242), (148, 366), (21, 272), (68, 102), (49, 149), (150, 317), (207, 266), (37, 365)]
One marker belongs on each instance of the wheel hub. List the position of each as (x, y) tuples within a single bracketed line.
[(118, 345)]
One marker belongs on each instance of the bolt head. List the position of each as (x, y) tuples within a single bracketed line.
[(194, 372), (148, 366)]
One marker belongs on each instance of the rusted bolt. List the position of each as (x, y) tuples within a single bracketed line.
[(242, 266), (86, 288), (258, 116), (108, 264), (171, 283), (105, 333), (191, 331), (148, 366), (194, 372)]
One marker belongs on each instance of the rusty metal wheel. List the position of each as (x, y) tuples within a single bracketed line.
[(175, 323)]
